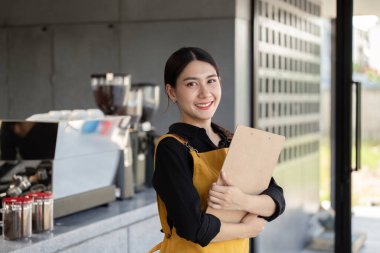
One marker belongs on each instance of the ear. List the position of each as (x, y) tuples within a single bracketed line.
[(171, 92)]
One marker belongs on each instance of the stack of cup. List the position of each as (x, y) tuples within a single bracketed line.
[(17, 218), (42, 211)]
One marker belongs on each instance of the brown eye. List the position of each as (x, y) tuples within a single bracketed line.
[(191, 84)]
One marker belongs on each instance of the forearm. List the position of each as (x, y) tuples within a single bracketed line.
[(250, 226), (262, 205), (230, 231)]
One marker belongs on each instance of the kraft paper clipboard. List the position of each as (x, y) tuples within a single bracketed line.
[(249, 165)]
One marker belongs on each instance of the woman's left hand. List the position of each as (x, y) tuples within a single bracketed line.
[(226, 196)]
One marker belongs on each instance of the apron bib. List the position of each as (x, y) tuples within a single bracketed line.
[(207, 166)]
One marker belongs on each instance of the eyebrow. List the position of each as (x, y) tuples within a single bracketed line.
[(195, 78)]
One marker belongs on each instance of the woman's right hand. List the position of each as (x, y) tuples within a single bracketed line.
[(254, 225)]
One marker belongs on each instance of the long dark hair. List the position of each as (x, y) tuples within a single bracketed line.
[(181, 58)]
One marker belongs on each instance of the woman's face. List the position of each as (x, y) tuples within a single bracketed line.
[(197, 93)]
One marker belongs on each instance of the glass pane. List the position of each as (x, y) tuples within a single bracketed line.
[(365, 182)]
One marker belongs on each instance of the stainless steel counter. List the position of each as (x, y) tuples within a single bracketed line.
[(122, 226)]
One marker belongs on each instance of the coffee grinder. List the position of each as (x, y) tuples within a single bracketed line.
[(144, 103), (111, 93)]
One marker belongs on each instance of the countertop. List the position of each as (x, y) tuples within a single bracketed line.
[(87, 224)]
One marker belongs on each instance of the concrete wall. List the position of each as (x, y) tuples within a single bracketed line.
[(80, 50), (52, 47), (3, 74), (29, 70)]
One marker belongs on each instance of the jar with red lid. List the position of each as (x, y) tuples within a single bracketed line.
[(42, 211), (17, 218)]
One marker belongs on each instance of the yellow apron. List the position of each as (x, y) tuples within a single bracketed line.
[(207, 166)]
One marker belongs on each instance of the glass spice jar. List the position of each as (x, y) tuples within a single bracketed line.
[(17, 218), (42, 211)]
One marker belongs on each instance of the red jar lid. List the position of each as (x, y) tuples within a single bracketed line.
[(39, 195), (16, 200)]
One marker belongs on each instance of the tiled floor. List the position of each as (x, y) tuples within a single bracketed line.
[(365, 220)]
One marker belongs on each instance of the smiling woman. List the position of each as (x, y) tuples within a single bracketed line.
[(188, 161), (197, 94)]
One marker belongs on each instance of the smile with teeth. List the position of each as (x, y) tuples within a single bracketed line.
[(204, 105)]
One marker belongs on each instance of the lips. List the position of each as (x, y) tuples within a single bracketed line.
[(204, 106)]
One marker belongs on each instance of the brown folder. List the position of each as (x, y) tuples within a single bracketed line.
[(249, 165)]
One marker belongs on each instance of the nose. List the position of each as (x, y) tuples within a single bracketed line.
[(204, 90)]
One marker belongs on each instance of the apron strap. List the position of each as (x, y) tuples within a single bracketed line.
[(178, 138), (155, 248)]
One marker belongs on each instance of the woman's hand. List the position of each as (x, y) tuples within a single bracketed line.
[(226, 196), (254, 225)]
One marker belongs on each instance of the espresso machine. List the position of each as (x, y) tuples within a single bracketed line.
[(75, 154)]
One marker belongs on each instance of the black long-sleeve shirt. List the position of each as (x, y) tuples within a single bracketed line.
[(173, 177)]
